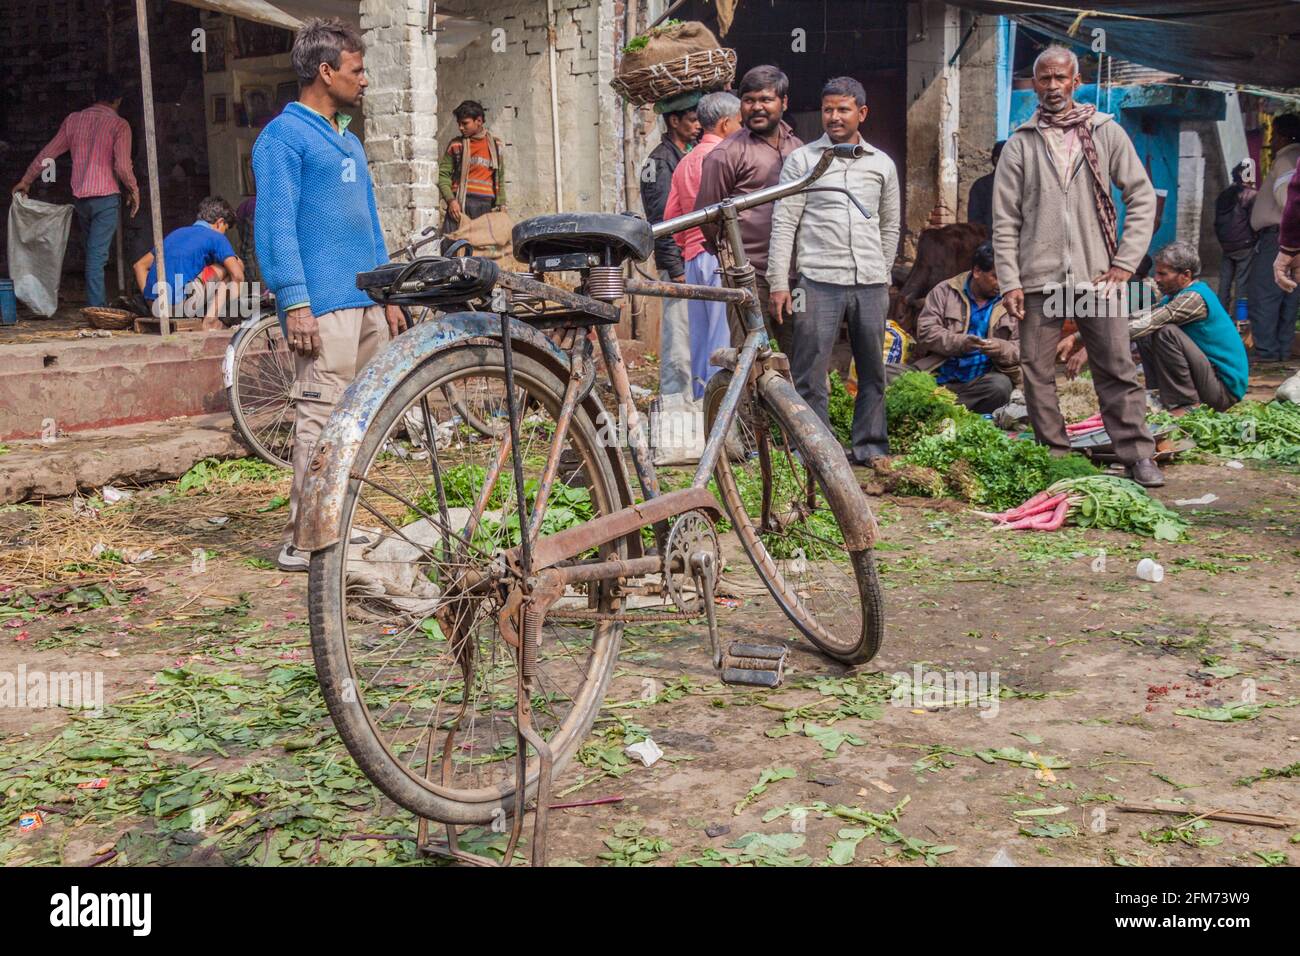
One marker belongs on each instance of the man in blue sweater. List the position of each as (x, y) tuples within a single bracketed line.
[(1191, 352), (317, 227)]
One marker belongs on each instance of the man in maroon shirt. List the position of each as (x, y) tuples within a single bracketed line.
[(100, 143), (746, 161)]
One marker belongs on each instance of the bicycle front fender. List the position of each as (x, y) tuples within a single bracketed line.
[(853, 511), (320, 510)]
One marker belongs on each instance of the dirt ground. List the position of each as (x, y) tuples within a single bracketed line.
[(216, 747)]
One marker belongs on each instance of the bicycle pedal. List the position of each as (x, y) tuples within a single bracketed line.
[(754, 665)]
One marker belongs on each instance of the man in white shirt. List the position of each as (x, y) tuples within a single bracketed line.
[(844, 265)]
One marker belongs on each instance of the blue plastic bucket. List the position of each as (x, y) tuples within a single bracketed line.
[(1242, 313), (8, 302)]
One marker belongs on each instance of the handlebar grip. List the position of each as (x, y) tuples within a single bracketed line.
[(847, 150)]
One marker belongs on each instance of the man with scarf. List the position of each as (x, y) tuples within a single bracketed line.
[(1056, 238)]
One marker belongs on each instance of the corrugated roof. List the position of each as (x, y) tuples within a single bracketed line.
[(1235, 41)]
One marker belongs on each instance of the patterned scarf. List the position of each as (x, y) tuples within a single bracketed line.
[(1079, 116)]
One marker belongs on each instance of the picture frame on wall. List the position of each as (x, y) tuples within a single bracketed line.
[(259, 104), (247, 184), (220, 109), (260, 39), (286, 92), (214, 55)]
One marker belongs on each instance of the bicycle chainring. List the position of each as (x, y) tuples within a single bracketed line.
[(691, 532)]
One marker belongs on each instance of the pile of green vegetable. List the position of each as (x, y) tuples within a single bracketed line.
[(941, 448), (640, 42), (1251, 430)]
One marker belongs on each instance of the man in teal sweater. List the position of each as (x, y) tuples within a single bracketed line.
[(1191, 352), (317, 227)]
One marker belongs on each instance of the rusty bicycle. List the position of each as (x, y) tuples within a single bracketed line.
[(470, 580)]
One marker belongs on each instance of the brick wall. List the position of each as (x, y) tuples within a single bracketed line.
[(506, 69)]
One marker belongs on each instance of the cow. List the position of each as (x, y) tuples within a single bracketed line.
[(941, 253)]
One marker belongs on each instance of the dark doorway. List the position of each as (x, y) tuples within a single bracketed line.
[(865, 40)]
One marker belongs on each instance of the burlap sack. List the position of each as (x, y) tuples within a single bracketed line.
[(669, 44), (489, 234)]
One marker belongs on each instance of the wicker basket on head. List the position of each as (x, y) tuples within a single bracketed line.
[(711, 69), (115, 320)]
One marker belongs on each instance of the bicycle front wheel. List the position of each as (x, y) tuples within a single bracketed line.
[(260, 391), (787, 515)]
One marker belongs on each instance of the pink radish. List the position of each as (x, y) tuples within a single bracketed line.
[(1057, 518), (1024, 509)]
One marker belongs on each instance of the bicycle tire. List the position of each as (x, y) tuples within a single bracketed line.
[(850, 644), (340, 682), (260, 412)]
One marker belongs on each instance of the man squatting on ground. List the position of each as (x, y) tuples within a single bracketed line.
[(744, 162), (844, 264), (681, 127), (100, 143), (1054, 228), (966, 339), (1191, 352), (205, 272), (719, 116), (479, 186), (317, 227)]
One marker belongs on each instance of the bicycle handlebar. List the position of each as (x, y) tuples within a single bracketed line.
[(757, 198)]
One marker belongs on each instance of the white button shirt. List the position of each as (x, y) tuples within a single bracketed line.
[(836, 244)]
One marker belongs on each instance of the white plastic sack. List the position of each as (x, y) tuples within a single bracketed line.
[(677, 432), (38, 237), (1289, 391)]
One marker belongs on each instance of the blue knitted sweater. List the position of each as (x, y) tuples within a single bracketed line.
[(317, 225)]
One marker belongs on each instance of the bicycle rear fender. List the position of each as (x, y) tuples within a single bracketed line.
[(320, 510)]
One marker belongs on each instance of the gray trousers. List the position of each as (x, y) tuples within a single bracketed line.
[(1234, 270), (826, 307), (674, 345), (985, 394), (1121, 396), (1272, 311), (1179, 370)]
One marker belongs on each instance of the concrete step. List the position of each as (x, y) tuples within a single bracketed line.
[(75, 384), (124, 455)]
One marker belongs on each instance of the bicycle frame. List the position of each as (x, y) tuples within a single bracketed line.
[(329, 471)]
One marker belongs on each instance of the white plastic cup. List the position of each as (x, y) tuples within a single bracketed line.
[(1148, 570)]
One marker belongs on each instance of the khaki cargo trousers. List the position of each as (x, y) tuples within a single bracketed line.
[(349, 338)]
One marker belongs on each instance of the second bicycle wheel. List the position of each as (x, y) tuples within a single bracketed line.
[(259, 395), (779, 503)]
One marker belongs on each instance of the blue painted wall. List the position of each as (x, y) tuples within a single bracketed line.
[(1151, 115)]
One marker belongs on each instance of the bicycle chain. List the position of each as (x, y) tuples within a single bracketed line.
[(649, 617)]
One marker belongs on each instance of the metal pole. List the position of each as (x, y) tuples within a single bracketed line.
[(151, 154), (555, 104)]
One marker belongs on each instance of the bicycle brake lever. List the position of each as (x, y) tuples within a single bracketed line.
[(840, 189)]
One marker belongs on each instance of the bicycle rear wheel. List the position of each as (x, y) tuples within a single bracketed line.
[(421, 685), (787, 515), (260, 390)]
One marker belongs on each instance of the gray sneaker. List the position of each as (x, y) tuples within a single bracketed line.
[(291, 559)]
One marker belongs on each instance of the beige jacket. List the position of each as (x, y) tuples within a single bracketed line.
[(1267, 210), (1044, 231), (945, 321)]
